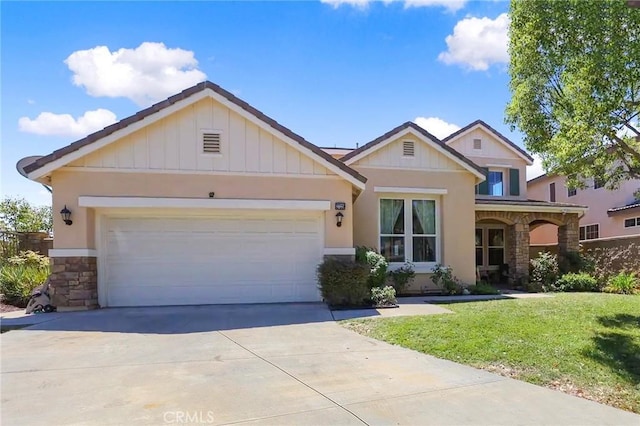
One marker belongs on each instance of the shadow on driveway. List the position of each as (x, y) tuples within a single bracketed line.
[(185, 319)]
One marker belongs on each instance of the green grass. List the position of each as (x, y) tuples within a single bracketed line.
[(583, 344)]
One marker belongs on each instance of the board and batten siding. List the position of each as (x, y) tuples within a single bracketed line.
[(491, 147), (424, 158), (175, 143)]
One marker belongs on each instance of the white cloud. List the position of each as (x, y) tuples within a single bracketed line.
[(477, 43), (360, 4), (451, 5), (536, 169), (146, 74), (48, 123), (436, 126)]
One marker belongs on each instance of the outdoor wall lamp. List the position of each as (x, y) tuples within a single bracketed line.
[(66, 215), (339, 217)]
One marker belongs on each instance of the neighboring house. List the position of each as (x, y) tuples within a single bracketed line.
[(202, 198), (611, 213)]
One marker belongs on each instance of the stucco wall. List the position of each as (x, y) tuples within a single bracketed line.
[(69, 185), (457, 215), (598, 200)]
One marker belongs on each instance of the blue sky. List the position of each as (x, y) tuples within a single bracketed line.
[(336, 72)]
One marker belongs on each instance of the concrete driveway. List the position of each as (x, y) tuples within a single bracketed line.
[(260, 364)]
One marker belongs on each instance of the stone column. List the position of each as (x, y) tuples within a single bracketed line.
[(74, 283), (568, 235), (518, 246)]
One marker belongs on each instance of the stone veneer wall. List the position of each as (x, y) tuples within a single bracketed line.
[(74, 282)]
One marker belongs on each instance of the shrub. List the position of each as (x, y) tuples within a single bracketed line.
[(18, 281), (384, 296), (443, 277), (377, 265), (575, 262), (576, 282), (482, 288), (544, 270), (402, 276), (344, 283), (29, 258), (623, 283)]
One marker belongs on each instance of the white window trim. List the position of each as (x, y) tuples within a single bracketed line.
[(201, 142), (636, 219), (407, 190), (419, 267), (585, 231)]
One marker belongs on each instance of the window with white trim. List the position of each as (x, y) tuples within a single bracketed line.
[(408, 230), (632, 222), (589, 232)]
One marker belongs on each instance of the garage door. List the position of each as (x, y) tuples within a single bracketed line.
[(235, 258)]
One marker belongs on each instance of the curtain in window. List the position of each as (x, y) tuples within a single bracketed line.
[(390, 210), (424, 217)]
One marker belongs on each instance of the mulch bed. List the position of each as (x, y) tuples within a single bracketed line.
[(9, 308)]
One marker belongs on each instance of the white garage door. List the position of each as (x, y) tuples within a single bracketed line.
[(235, 258)]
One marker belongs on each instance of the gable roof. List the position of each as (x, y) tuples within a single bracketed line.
[(123, 125), (512, 146), (428, 137)]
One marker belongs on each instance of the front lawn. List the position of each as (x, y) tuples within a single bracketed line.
[(583, 344)]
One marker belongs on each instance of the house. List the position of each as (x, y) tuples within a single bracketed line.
[(202, 198), (612, 214)]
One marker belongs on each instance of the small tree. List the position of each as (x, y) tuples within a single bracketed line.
[(18, 215)]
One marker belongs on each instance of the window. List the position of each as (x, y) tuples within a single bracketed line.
[(597, 183), (589, 232), (630, 223), (408, 148), (552, 192), (571, 192), (496, 186), (479, 247), (490, 247), (477, 144), (408, 230), (495, 246)]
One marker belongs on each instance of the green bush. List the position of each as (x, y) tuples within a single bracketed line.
[(402, 276), (576, 282), (483, 288), (344, 283), (29, 258), (384, 296), (576, 262), (18, 281), (378, 265), (623, 283), (544, 270), (442, 276)]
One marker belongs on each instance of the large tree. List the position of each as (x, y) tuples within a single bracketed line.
[(575, 84), (18, 215)]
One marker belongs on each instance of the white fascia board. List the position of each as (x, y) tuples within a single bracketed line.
[(73, 252), (292, 143), (406, 190), (202, 203), (506, 166), (339, 251), (532, 209), (118, 134)]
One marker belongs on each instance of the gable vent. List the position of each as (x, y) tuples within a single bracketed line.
[(211, 143), (477, 144), (408, 148)]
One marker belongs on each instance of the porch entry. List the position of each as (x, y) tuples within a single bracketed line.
[(490, 244)]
